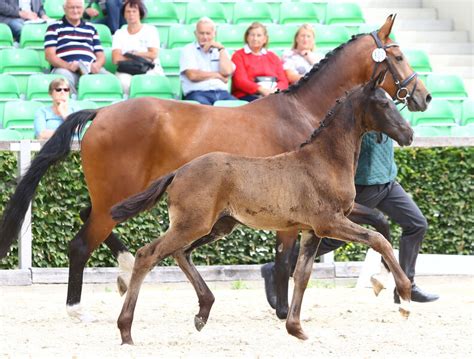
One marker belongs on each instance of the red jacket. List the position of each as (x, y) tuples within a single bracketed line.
[(249, 66)]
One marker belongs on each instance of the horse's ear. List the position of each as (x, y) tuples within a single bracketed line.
[(386, 28)]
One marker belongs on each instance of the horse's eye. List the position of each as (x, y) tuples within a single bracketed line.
[(385, 104), (399, 58)]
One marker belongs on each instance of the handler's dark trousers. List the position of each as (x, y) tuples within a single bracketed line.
[(391, 199)]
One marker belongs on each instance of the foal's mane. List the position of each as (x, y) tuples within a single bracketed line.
[(320, 65), (331, 114)]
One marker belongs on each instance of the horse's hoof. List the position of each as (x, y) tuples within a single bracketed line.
[(282, 313), (199, 323), (404, 308), (377, 284), (121, 286), (76, 312), (127, 341), (297, 332)]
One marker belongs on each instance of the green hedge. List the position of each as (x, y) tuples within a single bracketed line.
[(440, 180)]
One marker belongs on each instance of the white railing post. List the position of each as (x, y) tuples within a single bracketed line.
[(328, 258), (26, 237)]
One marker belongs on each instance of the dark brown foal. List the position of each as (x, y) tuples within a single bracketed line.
[(311, 189)]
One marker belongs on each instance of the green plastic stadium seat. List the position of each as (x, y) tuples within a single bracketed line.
[(6, 36), (432, 131), (169, 60), (462, 131), (439, 113), (419, 60), (84, 104), (104, 34), (54, 8), (246, 13), (298, 13), (104, 88), (19, 116), (446, 86), (230, 103), (281, 36), (231, 36), (37, 88), (180, 35), (329, 37), (20, 63), (274, 6), (151, 85), (8, 88), (196, 10), (32, 36), (161, 13), (344, 14), (467, 117), (10, 135), (109, 65)]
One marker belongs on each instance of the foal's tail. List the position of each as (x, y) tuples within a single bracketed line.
[(142, 201), (53, 151)]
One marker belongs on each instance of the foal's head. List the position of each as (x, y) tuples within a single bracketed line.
[(379, 113)]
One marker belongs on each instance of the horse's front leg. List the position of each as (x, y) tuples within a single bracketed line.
[(364, 215), (308, 247), (342, 228), (282, 270)]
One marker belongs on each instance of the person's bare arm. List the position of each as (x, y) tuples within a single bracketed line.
[(55, 61), (200, 75), (98, 63)]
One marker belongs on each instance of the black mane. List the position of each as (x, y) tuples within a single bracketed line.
[(321, 64)]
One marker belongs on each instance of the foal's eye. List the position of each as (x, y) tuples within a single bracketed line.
[(399, 58), (384, 104)]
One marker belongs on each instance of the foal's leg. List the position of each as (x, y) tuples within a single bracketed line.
[(222, 227), (342, 228), (120, 251), (146, 258), (308, 247), (364, 215)]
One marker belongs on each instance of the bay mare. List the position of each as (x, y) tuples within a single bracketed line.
[(130, 143), (310, 189)]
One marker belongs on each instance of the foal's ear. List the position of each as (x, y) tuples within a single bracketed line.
[(386, 28)]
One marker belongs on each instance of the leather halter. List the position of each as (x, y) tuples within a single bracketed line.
[(402, 93)]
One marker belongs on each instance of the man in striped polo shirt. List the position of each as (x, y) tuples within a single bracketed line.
[(72, 46)]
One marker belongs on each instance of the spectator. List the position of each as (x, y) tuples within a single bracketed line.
[(138, 39), (113, 17), (205, 66), (72, 46), (301, 57), (258, 72), (49, 118), (15, 12)]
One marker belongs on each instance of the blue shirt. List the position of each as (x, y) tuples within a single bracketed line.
[(46, 119)]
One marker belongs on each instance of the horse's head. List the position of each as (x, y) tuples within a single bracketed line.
[(401, 82), (379, 113)]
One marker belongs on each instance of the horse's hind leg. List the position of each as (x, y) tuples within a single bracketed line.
[(89, 237), (308, 247), (120, 251), (222, 227)]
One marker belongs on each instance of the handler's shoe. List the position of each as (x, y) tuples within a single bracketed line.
[(417, 295), (267, 271)]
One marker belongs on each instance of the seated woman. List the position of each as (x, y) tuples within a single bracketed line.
[(258, 72), (301, 57), (138, 39), (49, 118)]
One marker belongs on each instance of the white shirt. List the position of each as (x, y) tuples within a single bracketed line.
[(25, 5), (194, 58), (140, 42), (294, 61)]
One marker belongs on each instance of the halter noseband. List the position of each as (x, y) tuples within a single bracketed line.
[(379, 55)]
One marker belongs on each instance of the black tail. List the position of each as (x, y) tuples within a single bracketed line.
[(142, 201), (53, 151)]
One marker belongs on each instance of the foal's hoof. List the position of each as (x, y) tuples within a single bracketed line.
[(199, 323), (121, 286), (404, 308), (377, 284), (76, 312), (127, 341), (297, 332)]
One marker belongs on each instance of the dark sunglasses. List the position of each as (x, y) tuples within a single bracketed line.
[(59, 89)]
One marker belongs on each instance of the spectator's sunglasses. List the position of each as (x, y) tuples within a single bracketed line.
[(61, 89)]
